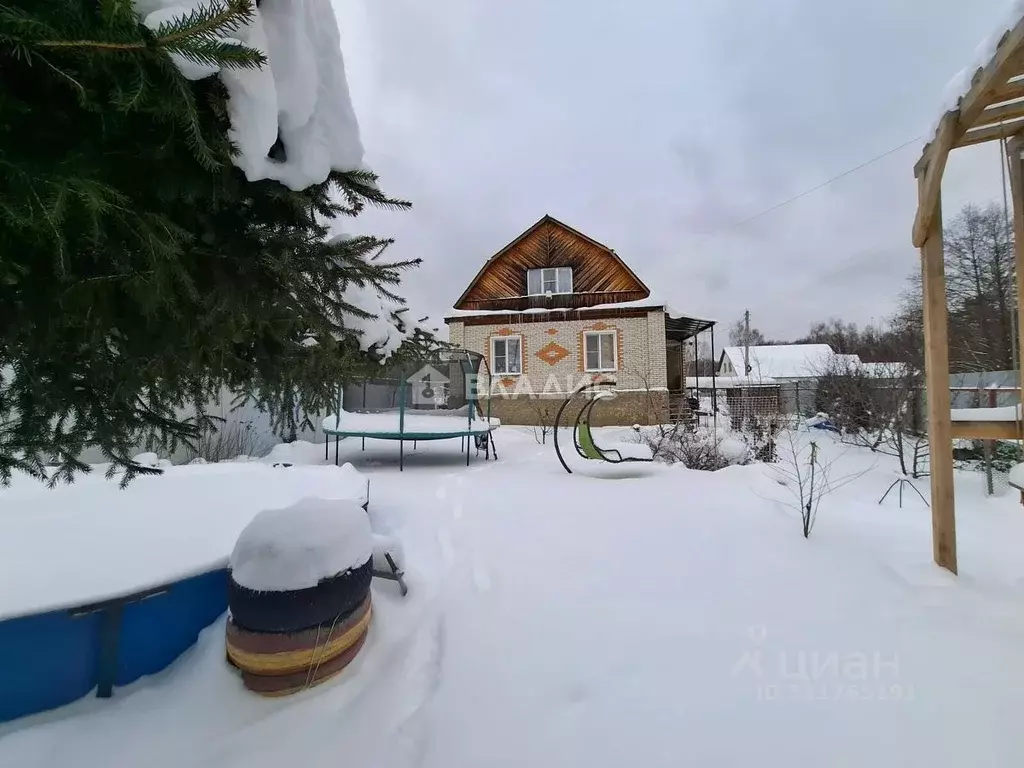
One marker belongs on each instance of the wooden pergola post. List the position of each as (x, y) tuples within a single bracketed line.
[(1014, 147), (992, 109), (936, 357)]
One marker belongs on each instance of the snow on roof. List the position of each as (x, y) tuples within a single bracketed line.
[(960, 83), (651, 302), (783, 361), (301, 94), (798, 361)]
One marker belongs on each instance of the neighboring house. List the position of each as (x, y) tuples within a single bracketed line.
[(782, 362), (555, 309), (795, 370)]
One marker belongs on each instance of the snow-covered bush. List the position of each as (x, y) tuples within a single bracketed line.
[(700, 448)]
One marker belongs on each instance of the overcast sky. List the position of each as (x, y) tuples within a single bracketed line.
[(656, 126)]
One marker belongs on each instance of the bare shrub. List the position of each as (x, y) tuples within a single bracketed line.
[(808, 476), (227, 441), (545, 412)]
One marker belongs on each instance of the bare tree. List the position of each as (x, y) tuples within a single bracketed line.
[(979, 287), (738, 335), (544, 412), (808, 476)]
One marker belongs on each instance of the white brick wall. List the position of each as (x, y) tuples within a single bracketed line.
[(455, 334), (641, 352)]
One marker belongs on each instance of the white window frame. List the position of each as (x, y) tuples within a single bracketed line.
[(494, 368), (562, 277), (615, 351)]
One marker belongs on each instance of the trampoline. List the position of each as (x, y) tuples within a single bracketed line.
[(435, 398)]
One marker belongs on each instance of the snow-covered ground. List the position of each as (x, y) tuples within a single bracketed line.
[(90, 541), (665, 618)]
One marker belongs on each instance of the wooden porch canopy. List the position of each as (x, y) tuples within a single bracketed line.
[(990, 109)]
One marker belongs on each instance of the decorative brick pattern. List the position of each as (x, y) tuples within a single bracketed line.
[(552, 353), (641, 360)]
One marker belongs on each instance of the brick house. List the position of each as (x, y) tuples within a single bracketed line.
[(555, 309)]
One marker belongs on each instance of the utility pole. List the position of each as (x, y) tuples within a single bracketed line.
[(746, 343), (746, 367)]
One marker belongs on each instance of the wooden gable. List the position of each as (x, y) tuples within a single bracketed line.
[(599, 275)]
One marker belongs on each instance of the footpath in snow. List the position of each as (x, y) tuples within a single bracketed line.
[(672, 618)]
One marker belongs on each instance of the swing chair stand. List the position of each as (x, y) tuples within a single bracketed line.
[(583, 438)]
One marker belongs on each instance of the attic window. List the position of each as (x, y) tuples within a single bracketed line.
[(549, 280)]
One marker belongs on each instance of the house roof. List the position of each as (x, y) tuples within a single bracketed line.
[(800, 361), (782, 361), (526, 233)]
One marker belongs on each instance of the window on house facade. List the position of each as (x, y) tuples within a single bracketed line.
[(549, 280), (506, 355), (599, 347)]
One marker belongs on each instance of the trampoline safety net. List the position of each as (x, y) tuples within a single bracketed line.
[(443, 381)]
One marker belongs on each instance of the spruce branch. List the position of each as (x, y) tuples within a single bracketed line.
[(197, 35)]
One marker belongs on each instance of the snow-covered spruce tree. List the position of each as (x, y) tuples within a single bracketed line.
[(148, 261)]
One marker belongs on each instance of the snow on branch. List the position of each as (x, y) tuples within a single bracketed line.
[(292, 119)]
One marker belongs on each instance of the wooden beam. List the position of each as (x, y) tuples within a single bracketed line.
[(1009, 91), (986, 430), (991, 133), (936, 359), (988, 80), (930, 178), (1000, 114)]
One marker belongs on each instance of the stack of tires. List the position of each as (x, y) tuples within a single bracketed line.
[(299, 595)]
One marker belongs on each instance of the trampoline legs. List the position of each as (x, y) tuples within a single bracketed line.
[(401, 455), (337, 439), (327, 447), (364, 443)]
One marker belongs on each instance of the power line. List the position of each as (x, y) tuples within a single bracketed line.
[(823, 184)]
